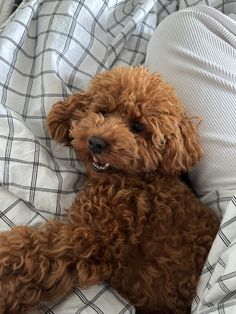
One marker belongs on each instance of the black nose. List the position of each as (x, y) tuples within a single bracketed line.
[(96, 144)]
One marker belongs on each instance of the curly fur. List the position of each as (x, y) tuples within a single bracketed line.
[(135, 225)]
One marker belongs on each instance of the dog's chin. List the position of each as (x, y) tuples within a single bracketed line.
[(100, 168)]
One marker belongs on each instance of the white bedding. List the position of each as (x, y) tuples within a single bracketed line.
[(48, 50)]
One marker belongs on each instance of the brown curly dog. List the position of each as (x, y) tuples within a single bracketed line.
[(135, 225)]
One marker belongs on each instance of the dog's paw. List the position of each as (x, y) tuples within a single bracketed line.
[(16, 270)]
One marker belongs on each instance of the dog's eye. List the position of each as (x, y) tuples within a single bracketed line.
[(137, 127)]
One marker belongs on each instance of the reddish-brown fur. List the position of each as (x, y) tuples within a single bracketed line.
[(135, 225)]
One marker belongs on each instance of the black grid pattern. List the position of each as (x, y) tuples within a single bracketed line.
[(50, 49)]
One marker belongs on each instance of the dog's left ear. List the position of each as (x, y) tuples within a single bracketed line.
[(182, 148), (60, 117)]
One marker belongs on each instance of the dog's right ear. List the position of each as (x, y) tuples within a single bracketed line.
[(59, 118)]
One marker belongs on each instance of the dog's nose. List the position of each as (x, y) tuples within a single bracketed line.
[(96, 144)]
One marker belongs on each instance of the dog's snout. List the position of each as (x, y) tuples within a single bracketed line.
[(96, 144)]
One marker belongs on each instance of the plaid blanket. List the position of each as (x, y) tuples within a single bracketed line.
[(48, 50)]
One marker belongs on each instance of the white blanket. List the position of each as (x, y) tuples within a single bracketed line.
[(48, 50)]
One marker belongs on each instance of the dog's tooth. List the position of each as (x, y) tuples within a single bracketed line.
[(95, 159)]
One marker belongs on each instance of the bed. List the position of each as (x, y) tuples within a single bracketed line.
[(51, 49)]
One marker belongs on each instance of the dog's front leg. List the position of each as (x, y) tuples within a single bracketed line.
[(36, 265)]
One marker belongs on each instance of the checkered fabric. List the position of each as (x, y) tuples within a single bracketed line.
[(216, 291), (48, 50)]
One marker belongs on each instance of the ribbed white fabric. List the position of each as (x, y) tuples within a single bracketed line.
[(6, 7), (195, 50)]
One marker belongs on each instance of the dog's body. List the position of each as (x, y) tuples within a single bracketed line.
[(135, 224), (149, 251)]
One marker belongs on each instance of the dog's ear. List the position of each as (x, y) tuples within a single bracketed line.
[(59, 118), (182, 148)]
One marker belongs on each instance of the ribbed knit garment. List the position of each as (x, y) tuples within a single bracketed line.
[(195, 50)]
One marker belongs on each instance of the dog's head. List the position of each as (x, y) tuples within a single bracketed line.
[(129, 121)]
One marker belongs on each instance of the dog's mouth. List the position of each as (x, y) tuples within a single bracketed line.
[(100, 166)]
